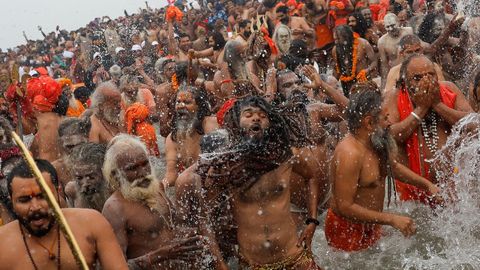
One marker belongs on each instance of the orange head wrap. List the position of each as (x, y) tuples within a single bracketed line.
[(135, 118), (64, 82), (43, 93)]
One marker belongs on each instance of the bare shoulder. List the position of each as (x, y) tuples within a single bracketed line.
[(210, 124), (390, 97), (162, 89), (71, 189), (7, 232), (347, 148), (82, 215), (452, 87), (114, 205)]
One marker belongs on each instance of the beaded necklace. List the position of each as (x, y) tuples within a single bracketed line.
[(431, 135), (51, 255)]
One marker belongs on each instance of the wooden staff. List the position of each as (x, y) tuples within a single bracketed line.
[(52, 202)]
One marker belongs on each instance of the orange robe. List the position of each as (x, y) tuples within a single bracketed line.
[(350, 236), (72, 112)]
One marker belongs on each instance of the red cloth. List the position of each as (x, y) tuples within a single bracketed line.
[(349, 236), (43, 92), (224, 109), (271, 43), (173, 13), (136, 119), (12, 96), (405, 107), (378, 12)]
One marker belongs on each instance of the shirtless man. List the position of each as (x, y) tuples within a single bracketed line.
[(106, 120), (44, 95), (388, 43), (71, 132), (132, 92), (178, 49), (25, 240), (139, 210), (255, 170), (343, 57), (191, 120), (362, 161), (87, 189), (421, 126), (298, 25), (408, 45), (244, 32)]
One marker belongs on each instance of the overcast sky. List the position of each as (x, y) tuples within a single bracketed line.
[(25, 15)]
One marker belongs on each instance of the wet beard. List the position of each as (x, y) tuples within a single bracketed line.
[(383, 143), (111, 116), (184, 124), (344, 58), (94, 200), (36, 216), (149, 196), (284, 47)]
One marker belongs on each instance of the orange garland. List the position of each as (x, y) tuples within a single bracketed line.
[(174, 82), (353, 74)]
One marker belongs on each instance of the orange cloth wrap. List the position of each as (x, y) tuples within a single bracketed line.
[(72, 112), (349, 236), (43, 93), (136, 119)]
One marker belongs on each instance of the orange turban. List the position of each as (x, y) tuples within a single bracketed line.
[(136, 119), (173, 13), (43, 93), (64, 82)]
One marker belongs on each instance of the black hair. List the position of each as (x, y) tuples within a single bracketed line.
[(344, 51), (201, 99), (82, 93), (361, 26), (269, 3), (182, 35), (409, 40), (23, 170), (299, 48), (243, 23), (219, 41), (425, 30), (362, 104), (282, 9), (74, 126), (61, 107), (401, 82), (213, 141)]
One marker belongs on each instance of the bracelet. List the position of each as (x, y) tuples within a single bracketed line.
[(416, 116), (312, 220)]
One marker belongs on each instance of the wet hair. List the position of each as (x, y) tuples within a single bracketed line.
[(291, 62), (218, 40), (361, 27), (61, 107), (282, 9), (201, 99), (362, 104), (74, 126), (82, 93), (409, 40), (98, 96), (299, 49), (345, 51), (213, 141), (23, 170), (269, 3), (91, 153), (127, 79), (243, 23), (364, 86), (182, 35), (120, 144), (425, 30)]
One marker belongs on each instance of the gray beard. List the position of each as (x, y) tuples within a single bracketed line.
[(383, 143), (184, 128), (94, 201), (283, 47)]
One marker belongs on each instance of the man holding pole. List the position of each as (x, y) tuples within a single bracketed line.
[(35, 241)]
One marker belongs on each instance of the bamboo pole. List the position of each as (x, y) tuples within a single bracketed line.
[(52, 202)]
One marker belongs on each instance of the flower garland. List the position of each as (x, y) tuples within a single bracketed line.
[(174, 82), (345, 78)]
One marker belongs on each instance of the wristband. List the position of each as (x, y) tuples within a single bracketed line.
[(416, 116), (312, 220)]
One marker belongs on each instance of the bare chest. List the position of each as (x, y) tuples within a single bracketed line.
[(270, 186)]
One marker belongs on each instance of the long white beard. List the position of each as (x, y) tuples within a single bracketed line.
[(149, 196), (283, 47)]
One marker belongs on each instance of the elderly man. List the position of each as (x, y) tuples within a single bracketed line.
[(87, 189), (107, 118), (191, 120), (139, 210), (361, 163), (131, 93), (283, 38), (25, 240), (388, 43), (71, 132), (255, 171), (422, 111)]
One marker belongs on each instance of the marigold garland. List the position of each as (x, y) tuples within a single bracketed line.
[(353, 73), (174, 82)]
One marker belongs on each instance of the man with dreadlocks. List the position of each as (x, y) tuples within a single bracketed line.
[(361, 163), (260, 48), (254, 170), (354, 57), (422, 111), (166, 93), (190, 121)]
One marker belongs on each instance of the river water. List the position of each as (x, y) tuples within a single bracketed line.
[(446, 239)]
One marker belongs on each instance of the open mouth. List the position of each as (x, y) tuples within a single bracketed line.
[(255, 129)]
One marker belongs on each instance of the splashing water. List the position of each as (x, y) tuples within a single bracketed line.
[(447, 239)]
